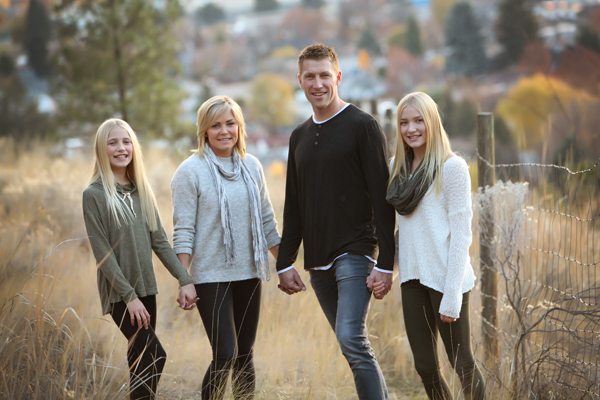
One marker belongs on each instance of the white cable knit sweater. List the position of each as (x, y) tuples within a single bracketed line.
[(434, 240)]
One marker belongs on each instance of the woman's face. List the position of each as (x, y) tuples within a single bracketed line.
[(119, 148), (223, 135), (413, 129)]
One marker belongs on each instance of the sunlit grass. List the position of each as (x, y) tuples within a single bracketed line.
[(54, 342)]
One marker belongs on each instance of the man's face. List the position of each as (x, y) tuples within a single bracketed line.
[(319, 81)]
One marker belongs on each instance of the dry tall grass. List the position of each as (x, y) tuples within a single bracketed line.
[(54, 342)]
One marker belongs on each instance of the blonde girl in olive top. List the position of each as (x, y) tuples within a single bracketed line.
[(123, 226), (430, 188)]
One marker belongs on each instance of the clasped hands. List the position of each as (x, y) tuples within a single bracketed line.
[(187, 297), (137, 311), (378, 282)]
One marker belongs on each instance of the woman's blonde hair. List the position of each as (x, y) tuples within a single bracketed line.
[(208, 113), (437, 146), (135, 172)]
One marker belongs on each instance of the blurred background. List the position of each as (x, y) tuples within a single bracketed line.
[(66, 65)]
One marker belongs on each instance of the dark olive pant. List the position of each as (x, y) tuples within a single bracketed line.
[(422, 319), (230, 312), (145, 355)]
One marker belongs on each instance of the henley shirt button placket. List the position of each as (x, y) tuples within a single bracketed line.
[(318, 127)]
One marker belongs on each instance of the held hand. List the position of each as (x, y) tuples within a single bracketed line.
[(290, 282), (187, 297), (447, 319), (138, 311), (380, 283)]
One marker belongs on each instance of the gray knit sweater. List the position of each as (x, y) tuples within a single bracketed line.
[(197, 220)]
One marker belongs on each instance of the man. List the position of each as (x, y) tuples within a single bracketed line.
[(335, 203)]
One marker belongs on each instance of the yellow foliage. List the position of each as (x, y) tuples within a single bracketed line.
[(272, 100), (533, 100), (283, 52)]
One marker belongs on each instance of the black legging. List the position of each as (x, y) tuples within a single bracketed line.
[(230, 312), (420, 305), (145, 355)]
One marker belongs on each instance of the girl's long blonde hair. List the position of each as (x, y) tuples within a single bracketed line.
[(135, 172), (437, 146), (212, 109)]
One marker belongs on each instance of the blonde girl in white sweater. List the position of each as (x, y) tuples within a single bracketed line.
[(430, 188)]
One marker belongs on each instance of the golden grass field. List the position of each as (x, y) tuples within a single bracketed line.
[(55, 344)]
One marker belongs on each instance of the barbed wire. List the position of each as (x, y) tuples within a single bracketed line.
[(535, 165), (567, 215)]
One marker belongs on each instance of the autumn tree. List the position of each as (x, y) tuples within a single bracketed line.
[(464, 42), (36, 38), (272, 100), (515, 27), (538, 106), (118, 58), (535, 58)]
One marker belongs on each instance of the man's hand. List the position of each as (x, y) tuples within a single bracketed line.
[(380, 283), (187, 297), (290, 282)]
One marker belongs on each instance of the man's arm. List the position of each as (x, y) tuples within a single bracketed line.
[(289, 279), (375, 169)]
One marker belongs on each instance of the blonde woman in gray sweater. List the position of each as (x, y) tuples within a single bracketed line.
[(124, 227), (224, 226)]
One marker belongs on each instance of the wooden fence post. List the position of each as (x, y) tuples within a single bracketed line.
[(489, 275)]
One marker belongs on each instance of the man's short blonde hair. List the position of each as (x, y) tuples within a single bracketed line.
[(318, 51)]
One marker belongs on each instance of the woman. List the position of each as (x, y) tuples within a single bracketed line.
[(430, 188), (224, 223), (124, 227)]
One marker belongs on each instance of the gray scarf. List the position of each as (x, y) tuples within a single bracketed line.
[(259, 242), (405, 193)]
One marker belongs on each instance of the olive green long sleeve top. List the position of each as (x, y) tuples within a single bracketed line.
[(124, 254)]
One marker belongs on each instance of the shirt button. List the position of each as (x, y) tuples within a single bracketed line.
[(317, 133), (316, 142)]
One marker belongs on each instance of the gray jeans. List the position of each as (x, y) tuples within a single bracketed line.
[(343, 295)]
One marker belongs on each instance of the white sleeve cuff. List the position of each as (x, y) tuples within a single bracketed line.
[(285, 270), (385, 271)]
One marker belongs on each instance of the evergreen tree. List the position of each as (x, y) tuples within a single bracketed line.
[(588, 38), (266, 5), (316, 4), (36, 37), (515, 27), (210, 14), (369, 42), (413, 37), (118, 59), (465, 44), (19, 117)]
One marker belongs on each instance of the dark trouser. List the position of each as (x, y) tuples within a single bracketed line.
[(422, 320), (230, 312), (145, 355), (343, 295)]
